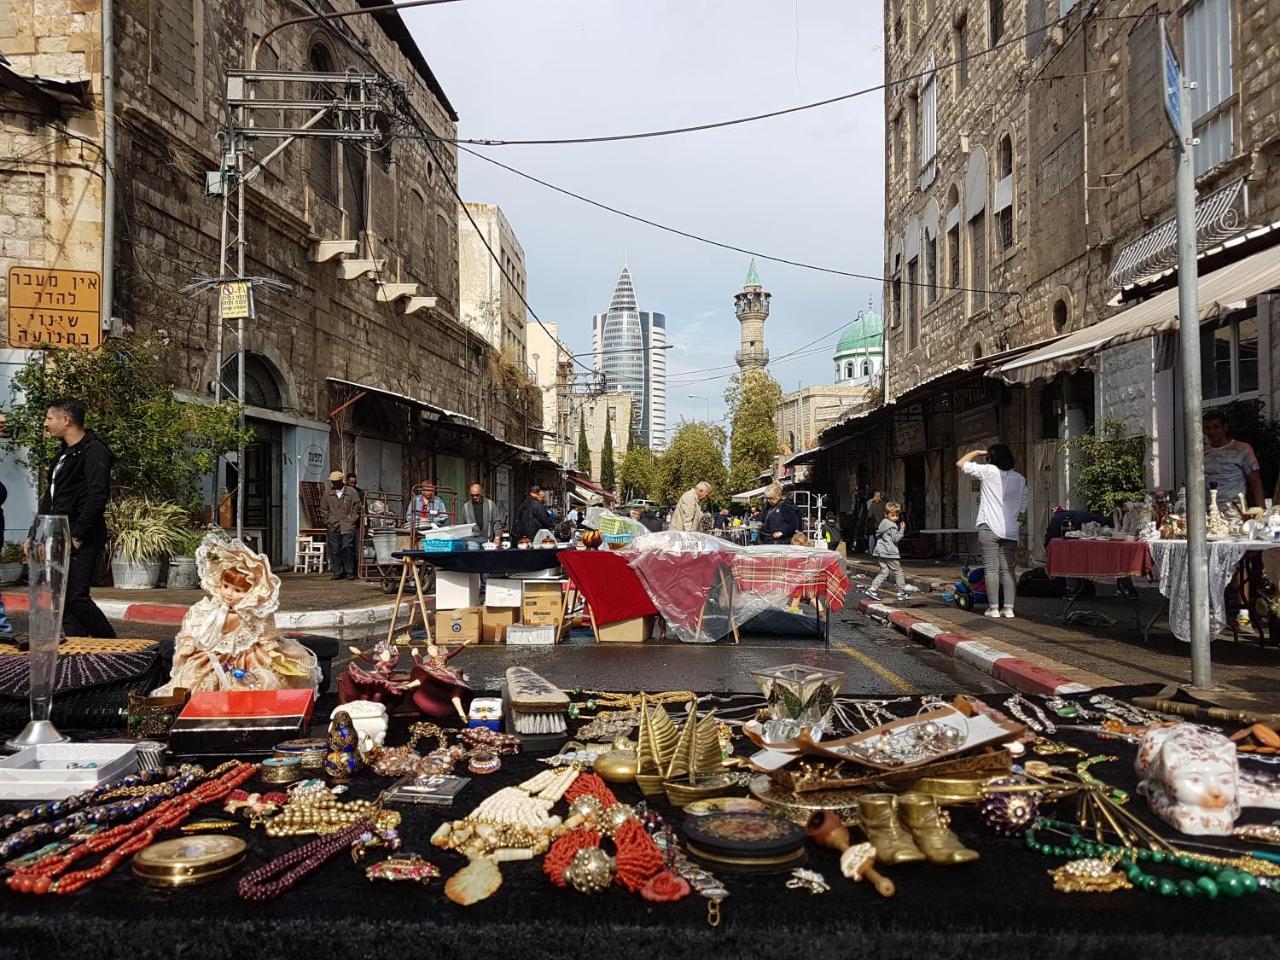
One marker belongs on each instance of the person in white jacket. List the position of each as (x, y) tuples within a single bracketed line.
[(1001, 502), (688, 509)]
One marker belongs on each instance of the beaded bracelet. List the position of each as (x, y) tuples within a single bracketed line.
[(282, 874)]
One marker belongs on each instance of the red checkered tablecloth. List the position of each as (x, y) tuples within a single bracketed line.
[(812, 572)]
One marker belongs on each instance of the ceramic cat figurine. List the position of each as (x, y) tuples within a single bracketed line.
[(1190, 778)]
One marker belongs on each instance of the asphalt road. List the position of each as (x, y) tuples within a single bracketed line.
[(876, 660)]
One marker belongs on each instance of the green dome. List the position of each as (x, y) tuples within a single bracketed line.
[(866, 333)]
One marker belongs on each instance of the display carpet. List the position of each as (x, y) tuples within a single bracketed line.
[(1002, 906)]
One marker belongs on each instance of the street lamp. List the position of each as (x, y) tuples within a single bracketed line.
[(694, 396)]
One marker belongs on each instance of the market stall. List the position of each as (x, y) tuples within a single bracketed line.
[(1094, 560), (1009, 901)]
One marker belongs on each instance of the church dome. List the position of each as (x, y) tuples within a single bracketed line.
[(864, 335)]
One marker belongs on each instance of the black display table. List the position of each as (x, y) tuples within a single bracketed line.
[(1002, 906), (492, 562)]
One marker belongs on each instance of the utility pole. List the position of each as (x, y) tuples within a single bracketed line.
[(1178, 108)]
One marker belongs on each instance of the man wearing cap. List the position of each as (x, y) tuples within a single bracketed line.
[(340, 511)]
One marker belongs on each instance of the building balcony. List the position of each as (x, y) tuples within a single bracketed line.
[(751, 356)]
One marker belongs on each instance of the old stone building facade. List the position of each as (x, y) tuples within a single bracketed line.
[(363, 363), (1029, 196)]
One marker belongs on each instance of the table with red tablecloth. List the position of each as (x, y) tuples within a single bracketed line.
[(628, 584), (1098, 559), (1082, 559), (808, 573)]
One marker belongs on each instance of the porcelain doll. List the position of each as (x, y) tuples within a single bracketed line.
[(228, 640)]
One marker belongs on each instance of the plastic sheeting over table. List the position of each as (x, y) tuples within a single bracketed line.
[(705, 586)]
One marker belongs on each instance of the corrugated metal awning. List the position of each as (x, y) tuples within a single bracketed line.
[(1239, 281)]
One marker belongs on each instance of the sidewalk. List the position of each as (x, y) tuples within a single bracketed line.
[(307, 602), (1245, 676)]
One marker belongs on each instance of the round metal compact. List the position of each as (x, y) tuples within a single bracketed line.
[(744, 842), (189, 860)]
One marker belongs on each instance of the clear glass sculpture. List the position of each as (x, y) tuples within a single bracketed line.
[(47, 564), (800, 698)]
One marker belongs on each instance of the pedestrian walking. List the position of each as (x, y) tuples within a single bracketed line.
[(831, 534), (891, 530), (1001, 501), (340, 510), (79, 487)]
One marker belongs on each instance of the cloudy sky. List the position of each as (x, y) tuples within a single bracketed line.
[(807, 187)]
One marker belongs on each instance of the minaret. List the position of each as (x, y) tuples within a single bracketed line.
[(752, 307)]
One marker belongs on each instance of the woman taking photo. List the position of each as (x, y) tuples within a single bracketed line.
[(1002, 499)]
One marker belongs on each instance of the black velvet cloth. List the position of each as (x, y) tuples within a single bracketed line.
[(1001, 906), (492, 562)]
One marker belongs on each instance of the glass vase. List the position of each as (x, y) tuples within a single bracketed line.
[(47, 565)]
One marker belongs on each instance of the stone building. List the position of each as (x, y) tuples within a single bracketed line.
[(611, 412), (1029, 203), (491, 292), (751, 306), (553, 368), (363, 363)]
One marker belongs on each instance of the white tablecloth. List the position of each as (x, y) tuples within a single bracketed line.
[(1170, 561)]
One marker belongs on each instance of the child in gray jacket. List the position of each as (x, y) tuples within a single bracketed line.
[(890, 531)]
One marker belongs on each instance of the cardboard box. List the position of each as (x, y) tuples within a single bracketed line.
[(458, 626), (494, 622), (523, 635), (457, 591), (635, 630), (543, 604), (499, 592)]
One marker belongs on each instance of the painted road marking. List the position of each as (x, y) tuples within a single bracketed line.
[(897, 682)]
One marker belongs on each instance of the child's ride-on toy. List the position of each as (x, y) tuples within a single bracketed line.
[(971, 588)]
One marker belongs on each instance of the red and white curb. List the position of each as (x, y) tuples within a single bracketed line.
[(1023, 675), (172, 614)]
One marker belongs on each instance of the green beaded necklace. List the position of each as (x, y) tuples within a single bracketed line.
[(1213, 880)]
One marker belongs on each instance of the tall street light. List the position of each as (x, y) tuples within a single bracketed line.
[(694, 396)]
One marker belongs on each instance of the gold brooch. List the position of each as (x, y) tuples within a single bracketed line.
[(1090, 875)]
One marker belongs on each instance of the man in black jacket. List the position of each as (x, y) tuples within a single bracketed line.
[(533, 515), (79, 486)]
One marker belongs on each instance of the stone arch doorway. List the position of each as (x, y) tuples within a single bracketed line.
[(264, 391)]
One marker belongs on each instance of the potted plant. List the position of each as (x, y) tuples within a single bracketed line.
[(143, 533), (10, 563), (182, 564)]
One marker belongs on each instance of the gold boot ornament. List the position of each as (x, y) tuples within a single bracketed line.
[(930, 827), (878, 815)]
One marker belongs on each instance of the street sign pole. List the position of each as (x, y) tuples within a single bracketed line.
[(1177, 105)]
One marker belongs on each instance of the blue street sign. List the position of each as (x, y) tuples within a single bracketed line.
[(1172, 83)]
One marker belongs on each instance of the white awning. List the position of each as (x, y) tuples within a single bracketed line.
[(749, 494), (1239, 281)]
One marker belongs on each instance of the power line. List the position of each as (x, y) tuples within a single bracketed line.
[(729, 246), (785, 111)]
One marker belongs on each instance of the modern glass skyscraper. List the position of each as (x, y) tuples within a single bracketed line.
[(630, 350)]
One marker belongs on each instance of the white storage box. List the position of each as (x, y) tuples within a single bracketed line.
[(503, 593), (45, 772), (455, 591), (518, 634)]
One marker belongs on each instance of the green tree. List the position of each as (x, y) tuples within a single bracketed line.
[(163, 447), (584, 451), (752, 397), (639, 475), (1110, 466), (696, 453), (606, 461)]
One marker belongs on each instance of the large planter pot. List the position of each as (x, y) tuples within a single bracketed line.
[(134, 576), (10, 573), (183, 574)]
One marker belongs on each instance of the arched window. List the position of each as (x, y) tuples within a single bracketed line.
[(848, 370), (977, 351), (1003, 205), (975, 207), (261, 385), (866, 368), (322, 166), (952, 224), (793, 441)]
